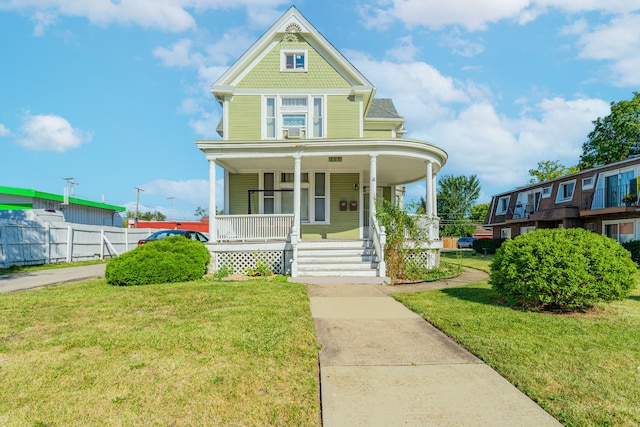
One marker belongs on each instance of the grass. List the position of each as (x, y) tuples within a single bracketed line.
[(198, 353), (583, 368), (28, 268), (468, 259)]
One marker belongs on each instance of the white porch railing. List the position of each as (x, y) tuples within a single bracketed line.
[(253, 227), (428, 226), (379, 239)]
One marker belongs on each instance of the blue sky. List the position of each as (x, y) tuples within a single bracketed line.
[(114, 93)]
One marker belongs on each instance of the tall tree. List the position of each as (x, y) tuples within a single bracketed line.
[(456, 197), (615, 136), (549, 169), (479, 212)]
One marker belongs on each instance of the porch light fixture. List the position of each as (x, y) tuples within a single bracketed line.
[(356, 186)]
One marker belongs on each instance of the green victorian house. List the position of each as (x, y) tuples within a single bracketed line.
[(306, 151)]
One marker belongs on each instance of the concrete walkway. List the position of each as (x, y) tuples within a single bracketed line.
[(36, 279), (383, 365)]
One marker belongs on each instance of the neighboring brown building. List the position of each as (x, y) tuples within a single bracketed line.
[(603, 200)]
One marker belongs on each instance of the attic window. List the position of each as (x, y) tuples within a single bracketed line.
[(293, 60)]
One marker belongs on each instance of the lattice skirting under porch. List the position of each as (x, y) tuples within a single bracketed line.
[(426, 258), (239, 261)]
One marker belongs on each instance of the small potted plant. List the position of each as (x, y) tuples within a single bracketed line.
[(629, 199)]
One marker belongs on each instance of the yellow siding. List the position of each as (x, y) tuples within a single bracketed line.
[(239, 184), (244, 118), (371, 133), (343, 120), (267, 75), (344, 224)]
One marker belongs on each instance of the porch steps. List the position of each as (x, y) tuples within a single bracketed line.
[(352, 258)]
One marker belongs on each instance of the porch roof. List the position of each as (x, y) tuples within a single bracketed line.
[(399, 161)]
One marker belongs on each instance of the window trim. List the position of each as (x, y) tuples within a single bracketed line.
[(560, 198), (279, 184), (308, 110), (500, 211), (589, 186), (284, 53), (547, 191)]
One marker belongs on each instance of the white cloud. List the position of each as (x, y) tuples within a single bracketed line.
[(165, 15), (460, 45), (50, 133), (210, 61), (618, 43), (501, 150), (425, 92), (463, 118), (470, 14), (4, 131), (404, 51), (475, 15)]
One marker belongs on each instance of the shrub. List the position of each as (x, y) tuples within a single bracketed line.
[(492, 245), (174, 259), (562, 268), (634, 248)]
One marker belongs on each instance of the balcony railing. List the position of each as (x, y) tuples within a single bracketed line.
[(253, 227), (611, 197)]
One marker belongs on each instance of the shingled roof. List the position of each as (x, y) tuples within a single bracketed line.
[(383, 108)]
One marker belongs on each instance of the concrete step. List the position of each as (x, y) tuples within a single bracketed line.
[(338, 273), (336, 258)]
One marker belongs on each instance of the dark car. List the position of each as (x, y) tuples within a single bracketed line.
[(466, 242), (189, 234)]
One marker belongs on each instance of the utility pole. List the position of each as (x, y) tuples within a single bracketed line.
[(137, 204), (73, 182), (174, 208)]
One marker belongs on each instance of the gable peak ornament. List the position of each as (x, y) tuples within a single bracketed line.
[(291, 32)]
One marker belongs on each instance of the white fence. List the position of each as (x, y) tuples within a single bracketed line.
[(33, 242)]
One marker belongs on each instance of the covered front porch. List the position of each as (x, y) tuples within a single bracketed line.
[(277, 197)]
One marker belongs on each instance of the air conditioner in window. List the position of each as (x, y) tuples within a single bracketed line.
[(293, 133)]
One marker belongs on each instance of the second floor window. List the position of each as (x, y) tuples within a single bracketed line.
[(565, 191), (293, 117), (503, 205)]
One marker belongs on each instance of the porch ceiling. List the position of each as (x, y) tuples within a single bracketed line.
[(398, 162)]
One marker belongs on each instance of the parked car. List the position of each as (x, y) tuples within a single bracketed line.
[(189, 234), (466, 242)]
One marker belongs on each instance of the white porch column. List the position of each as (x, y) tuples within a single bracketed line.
[(434, 197), (428, 197), (212, 201), (372, 189), (295, 229)]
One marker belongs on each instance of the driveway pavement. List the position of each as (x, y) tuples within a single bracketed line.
[(36, 279)]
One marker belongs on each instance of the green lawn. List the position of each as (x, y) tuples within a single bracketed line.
[(583, 368), (199, 353)]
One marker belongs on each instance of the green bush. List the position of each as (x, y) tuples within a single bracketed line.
[(174, 259), (562, 268), (633, 248), (492, 245)]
